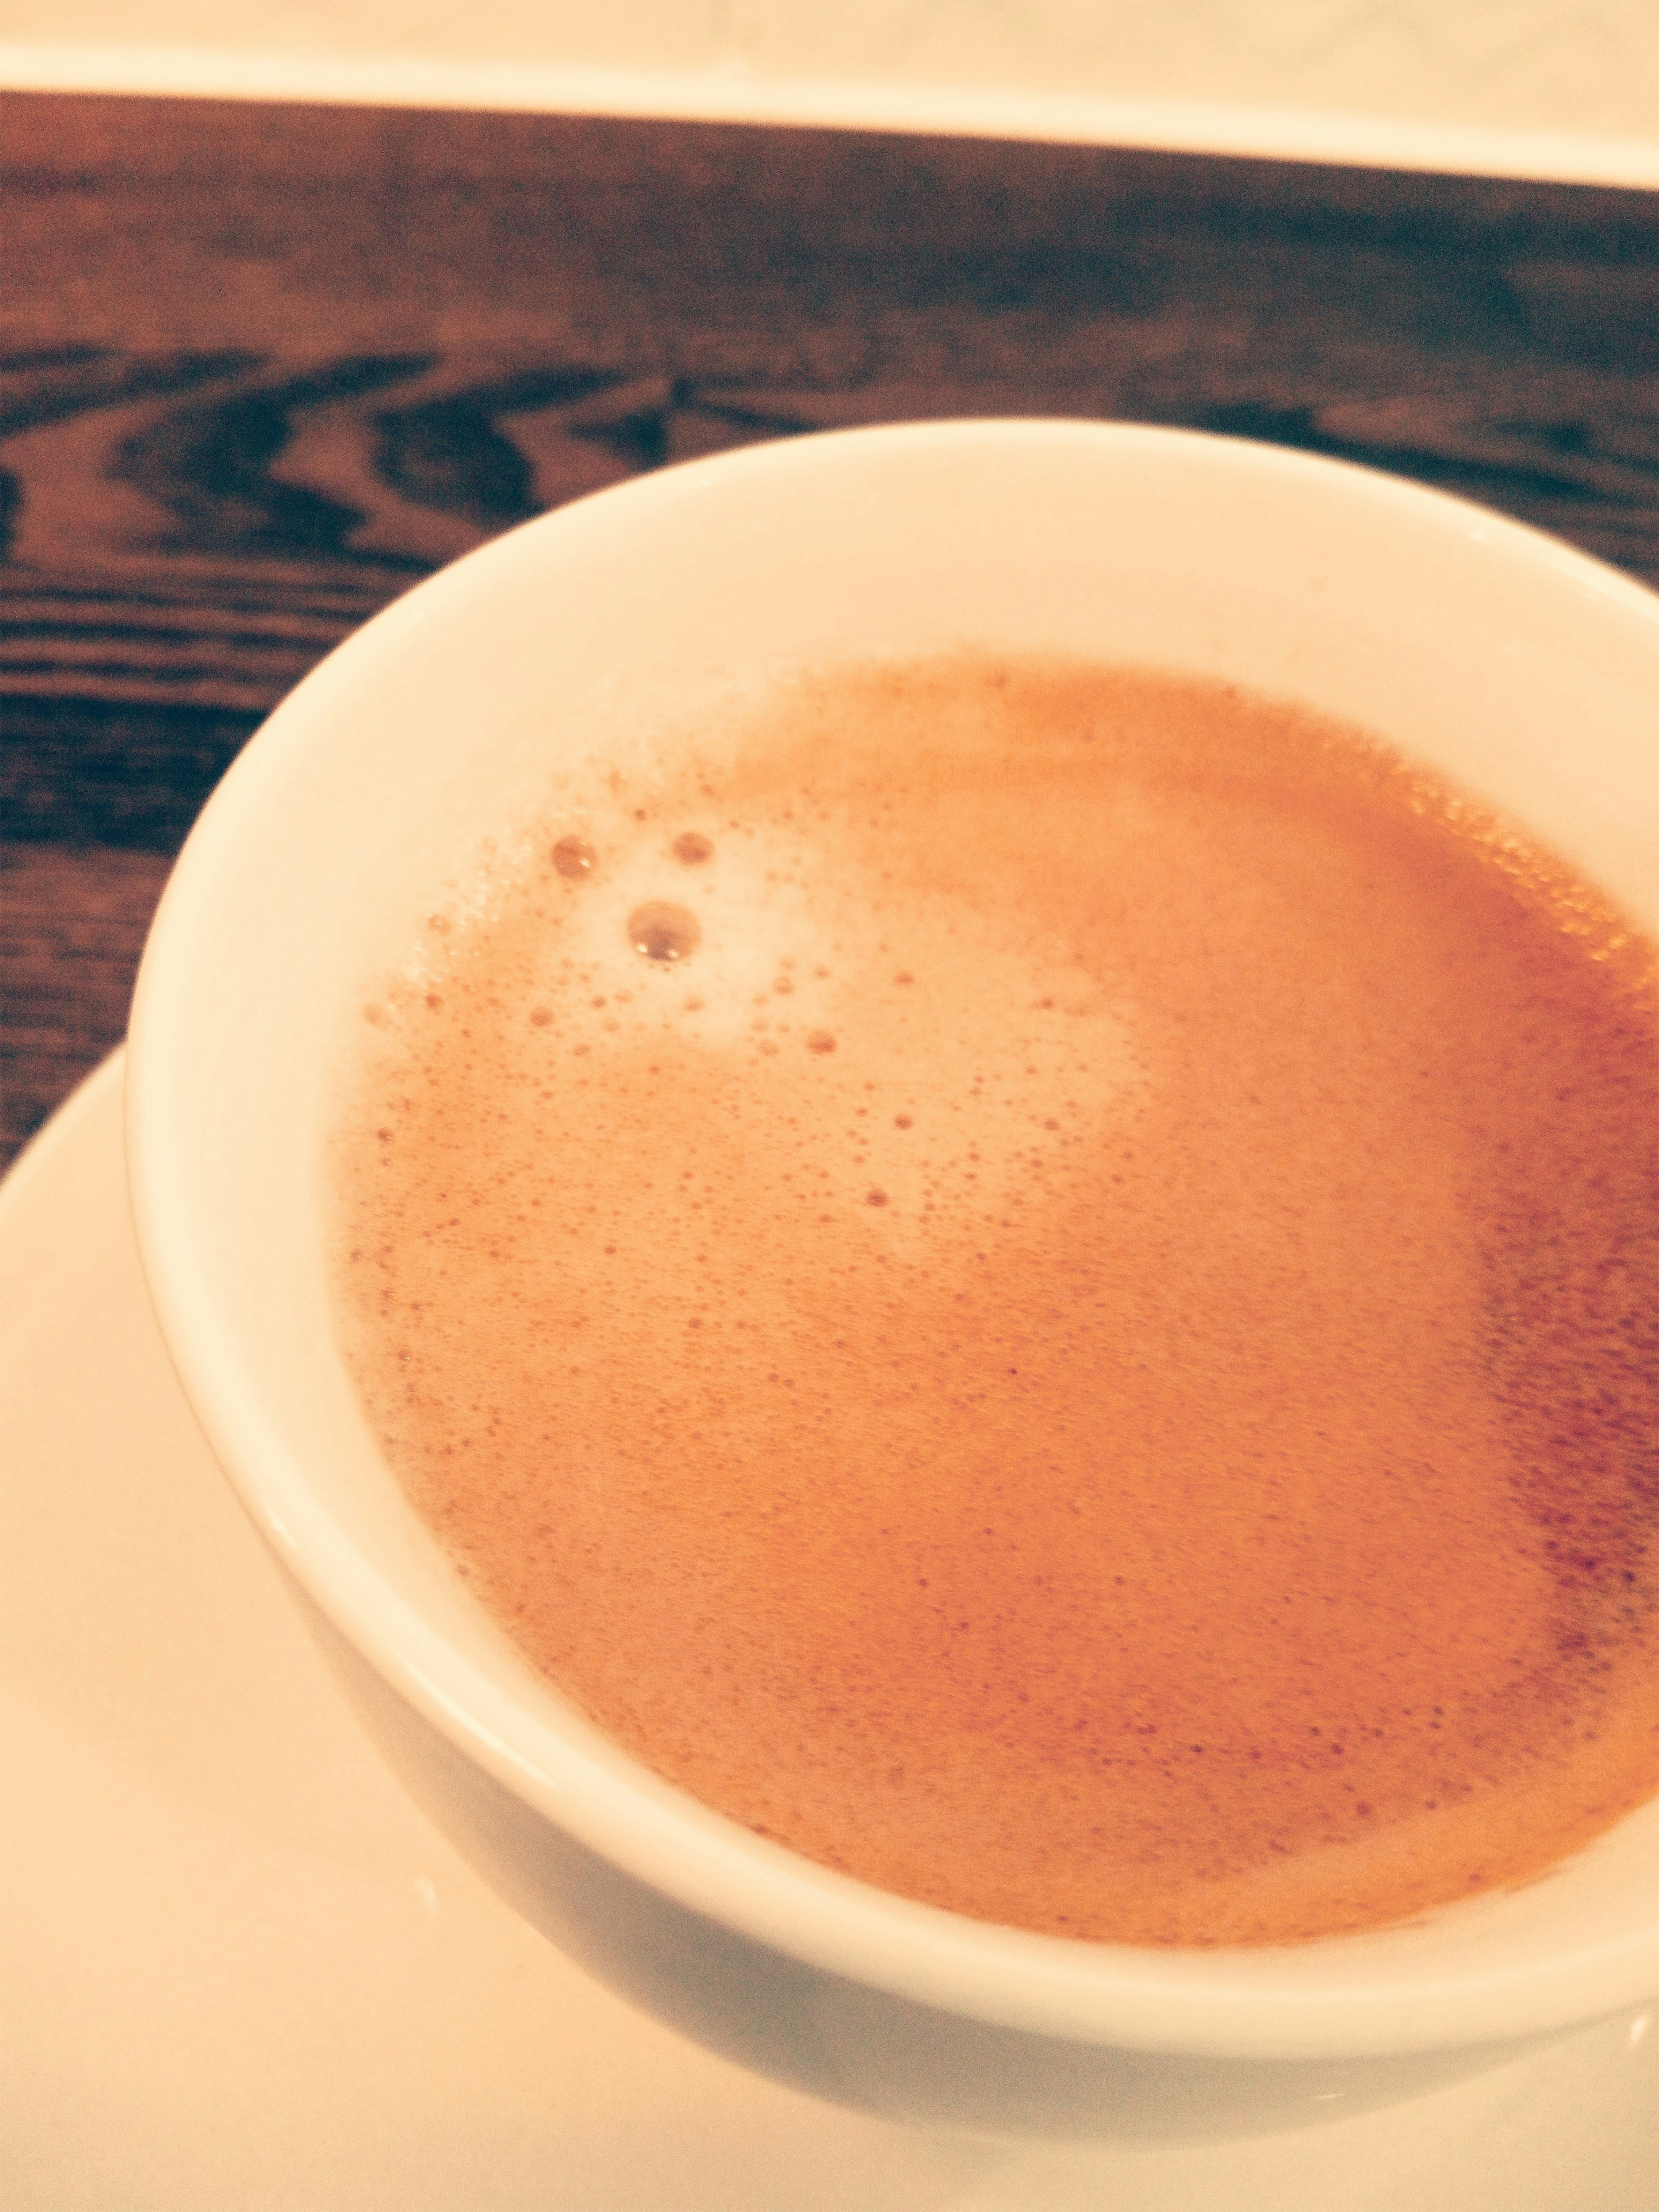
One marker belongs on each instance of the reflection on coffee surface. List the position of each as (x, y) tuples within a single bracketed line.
[(1041, 1282)]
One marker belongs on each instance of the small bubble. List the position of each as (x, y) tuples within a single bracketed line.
[(574, 858), (662, 932), (875, 1198), (692, 847), (902, 1121), (539, 1016)]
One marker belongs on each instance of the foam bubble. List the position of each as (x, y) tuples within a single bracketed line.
[(574, 858), (663, 932)]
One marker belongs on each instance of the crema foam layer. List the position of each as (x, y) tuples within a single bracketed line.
[(1041, 1282)]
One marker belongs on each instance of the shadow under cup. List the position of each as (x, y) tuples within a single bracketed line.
[(1523, 671)]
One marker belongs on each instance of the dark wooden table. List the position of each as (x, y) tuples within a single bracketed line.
[(261, 366)]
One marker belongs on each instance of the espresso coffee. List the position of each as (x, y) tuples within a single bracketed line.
[(1042, 1283)]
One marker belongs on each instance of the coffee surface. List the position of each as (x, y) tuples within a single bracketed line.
[(1041, 1282)]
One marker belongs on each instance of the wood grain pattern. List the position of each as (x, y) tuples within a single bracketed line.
[(262, 368), (71, 928)]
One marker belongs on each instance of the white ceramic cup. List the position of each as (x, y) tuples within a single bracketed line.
[(1528, 673)]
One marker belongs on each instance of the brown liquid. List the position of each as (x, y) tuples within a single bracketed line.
[(1085, 1350)]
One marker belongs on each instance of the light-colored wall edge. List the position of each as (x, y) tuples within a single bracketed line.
[(733, 95)]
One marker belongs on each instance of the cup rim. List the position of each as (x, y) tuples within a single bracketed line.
[(1154, 2001)]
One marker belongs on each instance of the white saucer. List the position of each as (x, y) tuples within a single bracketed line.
[(238, 1969)]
